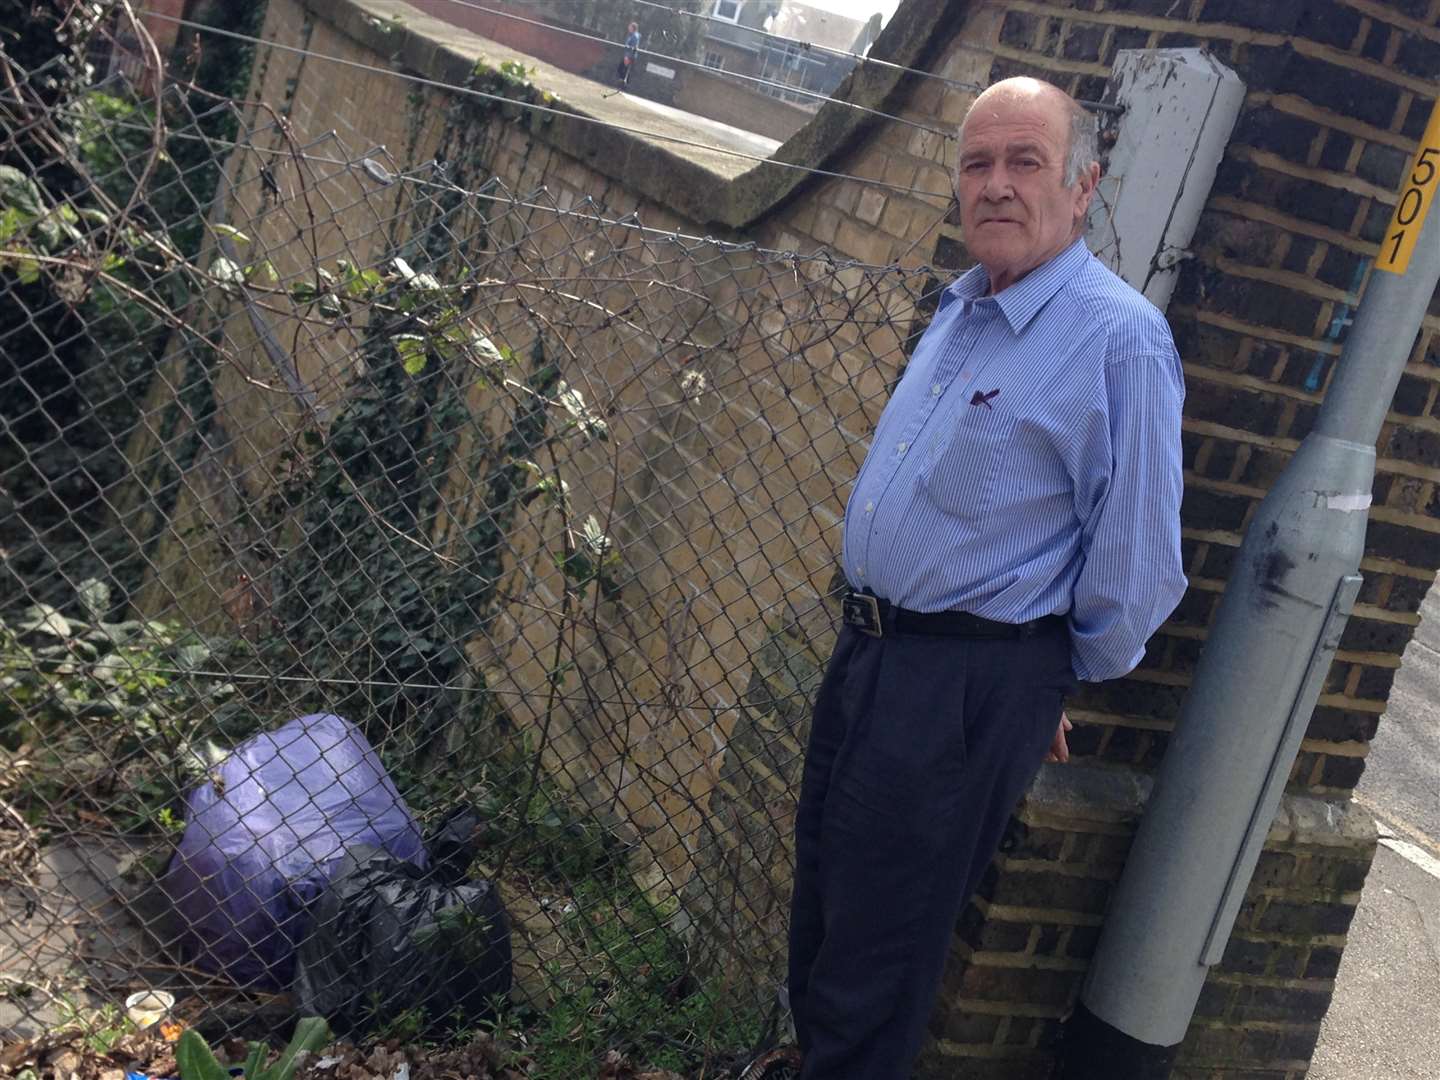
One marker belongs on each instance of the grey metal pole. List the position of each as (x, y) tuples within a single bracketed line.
[(1271, 644)]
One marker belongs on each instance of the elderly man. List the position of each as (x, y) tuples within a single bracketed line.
[(1014, 528)]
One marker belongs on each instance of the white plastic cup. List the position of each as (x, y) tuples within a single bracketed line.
[(149, 1007)]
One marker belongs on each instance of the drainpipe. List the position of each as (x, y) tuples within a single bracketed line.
[(1271, 644)]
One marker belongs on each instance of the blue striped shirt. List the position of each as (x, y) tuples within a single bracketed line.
[(1029, 464)]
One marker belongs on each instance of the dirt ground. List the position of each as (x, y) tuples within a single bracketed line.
[(72, 1056)]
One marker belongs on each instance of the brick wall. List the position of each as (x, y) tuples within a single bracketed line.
[(164, 31), (527, 32), (730, 100), (1337, 93)]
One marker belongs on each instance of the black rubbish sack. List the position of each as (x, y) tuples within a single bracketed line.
[(263, 836), (389, 941), (452, 844)]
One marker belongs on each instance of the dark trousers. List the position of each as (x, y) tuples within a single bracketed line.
[(920, 749)]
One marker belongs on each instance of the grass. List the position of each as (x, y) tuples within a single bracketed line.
[(627, 981), (642, 998)]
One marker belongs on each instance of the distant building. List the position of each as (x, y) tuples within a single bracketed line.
[(581, 36), (116, 49), (760, 65), (794, 47)]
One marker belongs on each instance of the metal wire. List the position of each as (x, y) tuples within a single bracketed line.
[(586, 208), (733, 75), (531, 106), (101, 671), (536, 497), (859, 58)]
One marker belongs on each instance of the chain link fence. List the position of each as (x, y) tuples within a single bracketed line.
[(542, 503)]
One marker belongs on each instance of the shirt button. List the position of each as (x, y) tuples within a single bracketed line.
[(903, 447), (937, 389), (859, 571), (869, 506)]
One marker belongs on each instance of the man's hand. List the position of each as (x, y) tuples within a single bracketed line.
[(1059, 750)]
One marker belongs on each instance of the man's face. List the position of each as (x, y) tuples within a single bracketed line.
[(1014, 208)]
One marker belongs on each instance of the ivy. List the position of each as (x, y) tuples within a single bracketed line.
[(108, 714), (83, 349), (357, 599)]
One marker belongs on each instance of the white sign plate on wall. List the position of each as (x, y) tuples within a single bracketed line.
[(1180, 108)]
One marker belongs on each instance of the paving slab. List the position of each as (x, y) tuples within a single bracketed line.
[(63, 935), (1384, 1023)]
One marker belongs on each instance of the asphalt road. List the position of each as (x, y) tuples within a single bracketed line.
[(1384, 1023), (1401, 785)]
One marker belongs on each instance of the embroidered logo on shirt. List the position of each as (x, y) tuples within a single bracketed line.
[(984, 399)]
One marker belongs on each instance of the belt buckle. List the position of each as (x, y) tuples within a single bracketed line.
[(863, 613)]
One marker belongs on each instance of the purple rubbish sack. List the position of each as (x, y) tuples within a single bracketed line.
[(263, 836)]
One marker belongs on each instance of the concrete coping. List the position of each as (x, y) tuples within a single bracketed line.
[(1081, 793), (708, 188)]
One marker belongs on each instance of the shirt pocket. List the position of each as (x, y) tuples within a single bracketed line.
[(962, 469)]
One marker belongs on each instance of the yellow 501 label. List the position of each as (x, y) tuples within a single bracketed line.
[(1416, 195)]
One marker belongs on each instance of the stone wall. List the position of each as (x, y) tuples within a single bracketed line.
[(732, 100), (728, 98), (1337, 93)]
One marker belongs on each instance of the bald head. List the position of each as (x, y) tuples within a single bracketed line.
[(1052, 106), (1024, 177)]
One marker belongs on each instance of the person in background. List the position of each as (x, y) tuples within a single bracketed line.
[(1015, 527), (627, 59)]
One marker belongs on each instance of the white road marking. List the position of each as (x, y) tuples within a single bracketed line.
[(1388, 824), (1415, 854), (1420, 849)]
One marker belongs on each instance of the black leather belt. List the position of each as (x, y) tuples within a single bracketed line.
[(876, 617)]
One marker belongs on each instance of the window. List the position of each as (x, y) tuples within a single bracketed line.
[(714, 60), (729, 10), (784, 67)]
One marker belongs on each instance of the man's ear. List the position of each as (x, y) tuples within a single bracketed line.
[(1085, 190)]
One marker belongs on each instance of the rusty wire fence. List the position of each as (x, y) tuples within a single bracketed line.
[(412, 589)]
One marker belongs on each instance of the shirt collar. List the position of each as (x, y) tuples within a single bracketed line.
[(1022, 301)]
